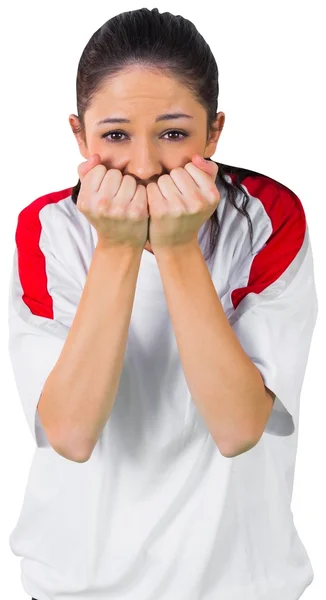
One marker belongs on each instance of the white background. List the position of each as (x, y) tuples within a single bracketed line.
[(272, 91)]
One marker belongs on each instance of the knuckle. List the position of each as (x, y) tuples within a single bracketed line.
[(81, 203), (212, 194), (197, 198)]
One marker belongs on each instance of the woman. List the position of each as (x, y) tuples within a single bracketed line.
[(167, 428)]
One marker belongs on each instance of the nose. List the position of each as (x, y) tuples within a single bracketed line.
[(144, 167)]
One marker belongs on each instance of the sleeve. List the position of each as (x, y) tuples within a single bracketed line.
[(43, 298), (275, 314)]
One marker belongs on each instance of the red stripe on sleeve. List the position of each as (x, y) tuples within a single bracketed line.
[(31, 260), (288, 219)]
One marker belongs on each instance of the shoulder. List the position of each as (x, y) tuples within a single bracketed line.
[(44, 225), (280, 236), (30, 216), (275, 211), (272, 198), (283, 213), (52, 227)]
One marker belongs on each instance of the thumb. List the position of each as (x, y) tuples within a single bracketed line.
[(209, 166), (85, 167)]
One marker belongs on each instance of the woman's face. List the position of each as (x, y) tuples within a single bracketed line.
[(143, 147)]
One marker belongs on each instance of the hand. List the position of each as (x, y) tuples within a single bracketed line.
[(114, 204), (179, 203)]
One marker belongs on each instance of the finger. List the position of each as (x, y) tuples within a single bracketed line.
[(209, 166), (92, 173), (207, 184), (85, 167), (184, 188), (164, 197), (155, 201)]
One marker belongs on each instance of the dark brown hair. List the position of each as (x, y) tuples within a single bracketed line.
[(169, 43)]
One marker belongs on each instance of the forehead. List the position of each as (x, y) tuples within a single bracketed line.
[(142, 90)]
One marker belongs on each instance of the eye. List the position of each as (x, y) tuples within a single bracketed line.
[(116, 132)]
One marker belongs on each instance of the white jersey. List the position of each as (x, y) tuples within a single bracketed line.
[(157, 512)]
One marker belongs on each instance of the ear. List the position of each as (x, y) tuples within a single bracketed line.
[(77, 131), (214, 134)]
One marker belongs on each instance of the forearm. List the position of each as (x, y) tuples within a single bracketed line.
[(79, 393), (225, 385)]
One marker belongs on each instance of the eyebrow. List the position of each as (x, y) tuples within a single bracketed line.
[(164, 117)]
